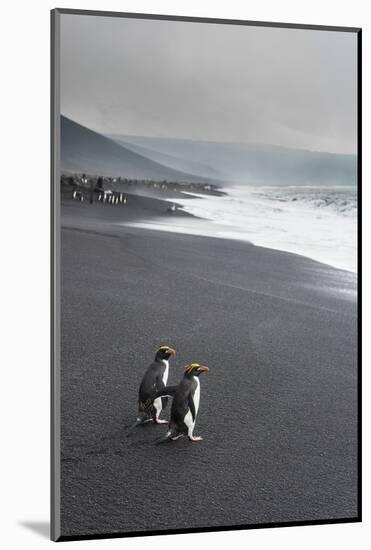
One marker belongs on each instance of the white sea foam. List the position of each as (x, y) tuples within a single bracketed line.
[(320, 223)]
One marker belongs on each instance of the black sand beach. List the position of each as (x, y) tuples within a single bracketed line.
[(278, 408)]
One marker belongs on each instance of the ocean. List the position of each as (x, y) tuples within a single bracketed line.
[(317, 222)]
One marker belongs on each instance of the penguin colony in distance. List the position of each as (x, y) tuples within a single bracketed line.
[(154, 380), (154, 393)]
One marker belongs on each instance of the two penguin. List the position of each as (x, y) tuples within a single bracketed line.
[(154, 393)]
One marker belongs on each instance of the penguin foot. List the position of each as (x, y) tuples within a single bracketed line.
[(158, 421), (138, 423), (195, 438), (175, 437)]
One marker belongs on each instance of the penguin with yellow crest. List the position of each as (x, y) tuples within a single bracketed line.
[(186, 401)]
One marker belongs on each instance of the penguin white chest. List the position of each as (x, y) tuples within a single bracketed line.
[(196, 397), (158, 402), (188, 419), (165, 376)]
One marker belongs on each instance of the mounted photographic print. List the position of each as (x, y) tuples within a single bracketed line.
[(205, 188)]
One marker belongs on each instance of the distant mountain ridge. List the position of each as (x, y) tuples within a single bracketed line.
[(248, 163), (186, 161), (83, 150), (186, 164)]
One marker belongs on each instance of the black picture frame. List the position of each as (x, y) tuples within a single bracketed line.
[(55, 270)]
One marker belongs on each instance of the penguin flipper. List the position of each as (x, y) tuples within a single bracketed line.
[(167, 391), (192, 407)]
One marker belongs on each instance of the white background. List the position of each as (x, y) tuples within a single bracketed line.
[(24, 401)]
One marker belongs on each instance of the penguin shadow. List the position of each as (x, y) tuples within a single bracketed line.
[(149, 429), (148, 442), (164, 441), (140, 427), (116, 443), (136, 431)]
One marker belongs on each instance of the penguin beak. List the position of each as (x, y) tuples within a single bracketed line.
[(203, 369), (171, 351)]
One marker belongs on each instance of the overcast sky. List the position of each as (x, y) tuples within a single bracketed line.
[(290, 87)]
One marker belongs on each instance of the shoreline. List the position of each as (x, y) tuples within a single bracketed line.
[(318, 223), (185, 212), (141, 212), (159, 225)]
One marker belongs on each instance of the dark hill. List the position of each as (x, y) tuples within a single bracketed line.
[(83, 150)]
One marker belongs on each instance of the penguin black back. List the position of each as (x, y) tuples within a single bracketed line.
[(154, 379)]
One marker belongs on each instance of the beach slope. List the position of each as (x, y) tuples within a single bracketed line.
[(278, 409)]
